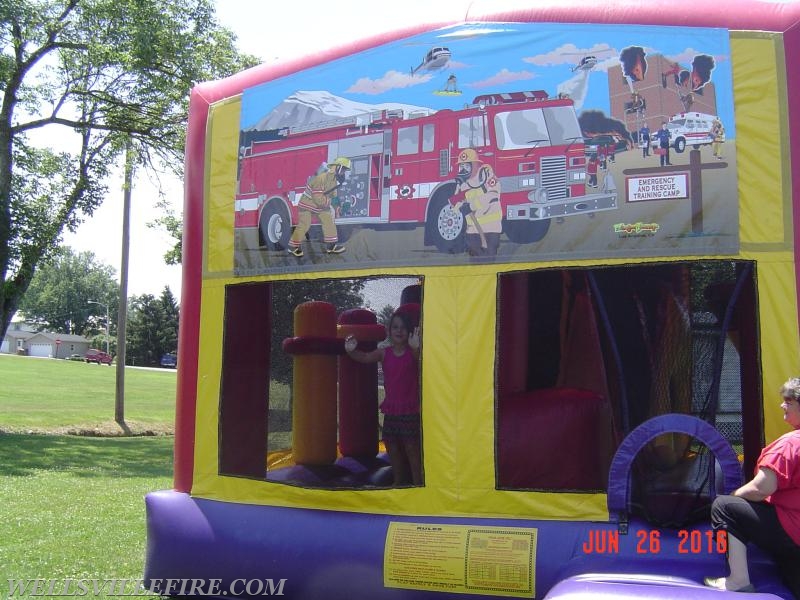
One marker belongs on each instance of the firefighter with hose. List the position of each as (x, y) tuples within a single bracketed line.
[(316, 200), (477, 197)]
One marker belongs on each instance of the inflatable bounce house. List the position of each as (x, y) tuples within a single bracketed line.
[(589, 209)]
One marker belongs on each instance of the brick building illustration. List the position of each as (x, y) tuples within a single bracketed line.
[(664, 91)]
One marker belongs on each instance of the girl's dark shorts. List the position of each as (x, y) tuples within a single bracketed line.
[(400, 426)]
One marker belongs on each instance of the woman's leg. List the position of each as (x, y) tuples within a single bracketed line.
[(746, 522), (754, 522), (737, 563)]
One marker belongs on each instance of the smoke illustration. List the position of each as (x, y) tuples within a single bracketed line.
[(576, 87)]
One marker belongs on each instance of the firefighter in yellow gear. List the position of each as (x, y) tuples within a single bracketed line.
[(481, 203), (316, 200)]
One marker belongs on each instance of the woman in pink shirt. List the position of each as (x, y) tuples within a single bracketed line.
[(400, 407), (766, 510)]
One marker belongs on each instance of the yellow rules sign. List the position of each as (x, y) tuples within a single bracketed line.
[(461, 558)]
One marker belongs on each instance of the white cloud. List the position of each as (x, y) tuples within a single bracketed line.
[(501, 77), (686, 57), (569, 54), (391, 80)]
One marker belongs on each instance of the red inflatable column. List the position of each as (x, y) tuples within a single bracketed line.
[(514, 307), (314, 383), (358, 386)]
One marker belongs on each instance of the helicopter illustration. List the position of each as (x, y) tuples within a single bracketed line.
[(436, 58), (587, 63)]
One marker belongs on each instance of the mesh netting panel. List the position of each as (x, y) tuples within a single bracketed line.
[(674, 495), (670, 329)]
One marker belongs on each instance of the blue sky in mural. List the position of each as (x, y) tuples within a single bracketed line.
[(490, 58)]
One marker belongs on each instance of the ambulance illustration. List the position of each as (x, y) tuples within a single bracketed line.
[(690, 129)]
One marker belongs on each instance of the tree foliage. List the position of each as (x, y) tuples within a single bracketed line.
[(82, 81), (61, 295), (173, 226), (385, 315), (152, 329), (286, 295)]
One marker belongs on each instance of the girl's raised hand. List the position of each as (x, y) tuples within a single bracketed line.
[(413, 339), (350, 343)]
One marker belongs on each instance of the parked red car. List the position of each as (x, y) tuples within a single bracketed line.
[(98, 356)]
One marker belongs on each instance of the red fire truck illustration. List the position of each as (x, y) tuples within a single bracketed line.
[(404, 167)]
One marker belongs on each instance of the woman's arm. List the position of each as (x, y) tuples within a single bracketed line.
[(350, 344), (762, 485)]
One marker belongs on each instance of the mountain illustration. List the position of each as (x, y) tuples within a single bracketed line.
[(308, 107)]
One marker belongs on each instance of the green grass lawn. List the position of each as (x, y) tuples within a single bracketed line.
[(73, 507), (38, 394)]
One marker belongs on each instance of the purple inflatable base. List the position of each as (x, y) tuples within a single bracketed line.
[(618, 586), (346, 472), (333, 555)]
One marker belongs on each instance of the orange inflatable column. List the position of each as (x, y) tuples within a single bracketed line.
[(358, 386), (314, 383)]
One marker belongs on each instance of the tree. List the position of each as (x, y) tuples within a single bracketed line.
[(173, 225), (286, 295), (92, 78), (152, 328), (385, 314), (168, 333), (61, 295)]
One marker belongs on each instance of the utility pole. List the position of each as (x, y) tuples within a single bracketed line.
[(122, 315)]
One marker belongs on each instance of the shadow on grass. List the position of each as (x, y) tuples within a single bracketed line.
[(22, 455)]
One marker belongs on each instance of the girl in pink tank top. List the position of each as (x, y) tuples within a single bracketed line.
[(400, 407)]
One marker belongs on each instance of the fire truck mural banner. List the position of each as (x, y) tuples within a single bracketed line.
[(493, 142)]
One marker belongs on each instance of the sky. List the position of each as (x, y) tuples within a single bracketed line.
[(272, 31), (488, 58), (279, 31)]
